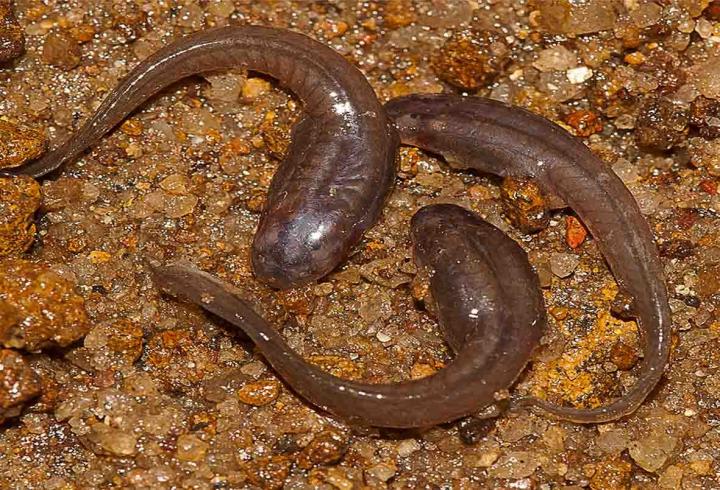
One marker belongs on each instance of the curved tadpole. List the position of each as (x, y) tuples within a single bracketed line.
[(339, 168), (475, 271), (492, 137)]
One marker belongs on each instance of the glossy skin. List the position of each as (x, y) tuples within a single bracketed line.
[(492, 137), (340, 165), (471, 284)]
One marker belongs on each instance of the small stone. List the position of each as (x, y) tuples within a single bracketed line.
[(575, 232), (515, 465), (175, 184), (61, 51), (556, 58), (112, 440), (259, 393), (407, 447), (566, 17), (585, 123), (12, 37), (651, 452), (225, 86), (563, 265), (705, 116), (671, 478), (268, 472), (383, 337), (254, 88), (660, 124), (46, 311), (383, 471), (328, 447), (19, 199), (19, 145), (132, 127), (18, 383), (190, 448), (579, 75), (524, 204), (471, 59), (179, 206), (623, 356)]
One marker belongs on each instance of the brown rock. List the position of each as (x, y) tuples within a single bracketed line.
[(12, 38), (18, 145), (269, 472), (611, 475), (327, 447), (524, 204), (61, 50), (18, 383), (623, 356), (660, 124), (584, 122), (19, 199), (44, 310), (259, 393), (705, 116), (471, 59)]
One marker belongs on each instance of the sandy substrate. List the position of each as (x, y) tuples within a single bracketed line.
[(114, 385)]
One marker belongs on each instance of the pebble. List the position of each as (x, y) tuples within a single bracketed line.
[(191, 448), (584, 122), (177, 206), (651, 452), (407, 447), (705, 116), (259, 393), (254, 88), (19, 145), (112, 440), (660, 124), (562, 264), (224, 87), (382, 471), (41, 308), (176, 184), (556, 58), (12, 38), (18, 383), (471, 59), (524, 204), (575, 232), (515, 465), (19, 199), (564, 17), (671, 478), (268, 472), (706, 77), (328, 447), (61, 50)]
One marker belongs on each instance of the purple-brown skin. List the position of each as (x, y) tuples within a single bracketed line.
[(489, 136), (471, 283), (340, 165)]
